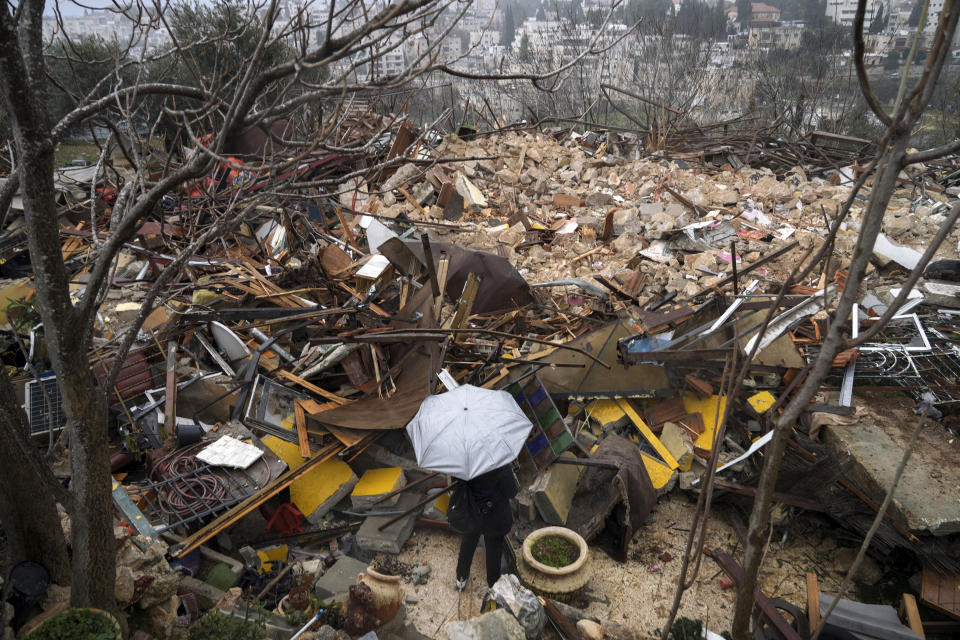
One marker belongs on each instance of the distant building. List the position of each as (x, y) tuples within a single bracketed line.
[(844, 11), (933, 16), (883, 43), (774, 36), (900, 14), (763, 13), (759, 13)]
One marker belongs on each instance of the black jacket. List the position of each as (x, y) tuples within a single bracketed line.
[(495, 488)]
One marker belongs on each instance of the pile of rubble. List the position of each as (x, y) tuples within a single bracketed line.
[(260, 452)]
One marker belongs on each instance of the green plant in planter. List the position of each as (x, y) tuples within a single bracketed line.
[(297, 618), (77, 624), (220, 626), (555, 551)]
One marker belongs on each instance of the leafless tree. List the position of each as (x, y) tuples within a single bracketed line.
[(892, 157), (306, 67)]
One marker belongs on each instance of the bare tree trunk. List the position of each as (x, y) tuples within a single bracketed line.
[(28, 514), (760, 516), (67, 342), (66, 334), (893, 157)]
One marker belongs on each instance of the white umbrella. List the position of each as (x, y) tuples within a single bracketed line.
[(468, 431)]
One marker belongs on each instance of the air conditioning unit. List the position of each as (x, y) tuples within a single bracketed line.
[(43, 415)]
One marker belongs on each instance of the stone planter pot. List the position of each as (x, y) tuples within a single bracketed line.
[(558, 583), (387, 594)]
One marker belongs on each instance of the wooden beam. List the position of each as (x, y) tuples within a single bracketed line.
[(442, 269), (908, 609), (302, 438), (347, 231), (813, 601), (745, 270), (309, 386), (465, 304), (170, 403), (761, 602), (645, 431), (431, 267), (413, 201)]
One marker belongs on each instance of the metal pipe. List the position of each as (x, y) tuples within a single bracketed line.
[(280, 351)]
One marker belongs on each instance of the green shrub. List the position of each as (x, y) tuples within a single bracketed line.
[(76, 624), (220, 626)]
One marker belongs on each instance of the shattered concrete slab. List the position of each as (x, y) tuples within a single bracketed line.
[(927, 497)]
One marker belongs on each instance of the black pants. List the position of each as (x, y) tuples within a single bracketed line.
[(494, 548)]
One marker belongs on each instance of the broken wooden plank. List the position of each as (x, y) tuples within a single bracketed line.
[(813, 600), (909, 610), (564, 200), (645, 431), (347, 231), (607, 231), (170, 402), (616, 288), (309, 386), (413, 201), (442, 269), (465, 303), (302, 438)]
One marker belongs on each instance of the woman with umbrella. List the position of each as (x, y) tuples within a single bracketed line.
[(491, 493), (474, 435)]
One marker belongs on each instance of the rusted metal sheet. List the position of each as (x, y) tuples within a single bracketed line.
[(669, 410), (620, 380), (134, 378), (656, 321)]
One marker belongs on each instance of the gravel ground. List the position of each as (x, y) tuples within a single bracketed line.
[(637, 593)]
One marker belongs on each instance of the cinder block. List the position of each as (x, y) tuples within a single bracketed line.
[(553, 491), (207, 595), (678, 443), (338, 578), (392, 538), (526, 509), (376, 483)]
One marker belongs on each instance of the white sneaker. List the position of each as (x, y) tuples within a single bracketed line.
[(461, 584)]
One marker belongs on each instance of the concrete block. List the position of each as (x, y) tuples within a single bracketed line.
[(392, 538), (319, 490), (496, 625), (607, 414), (526, 509), (553, 491), (338, 578), (269, 556), (376, 483), (678, 443), (437, 510), (207, 595)]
